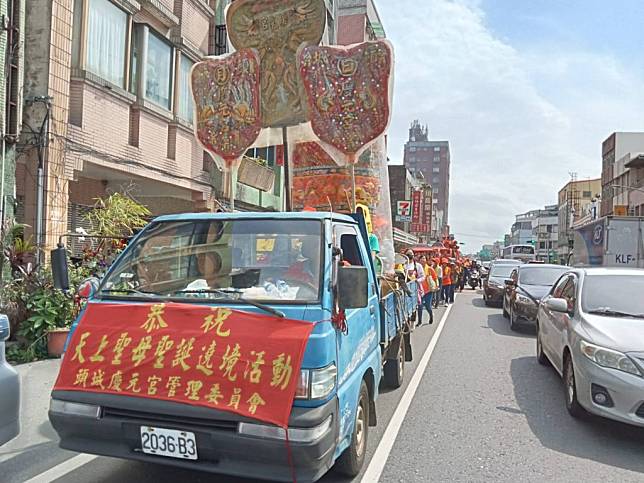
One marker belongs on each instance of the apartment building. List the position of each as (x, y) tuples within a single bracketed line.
[(623, 174), (574, 200), (545, 233), (116, 108)]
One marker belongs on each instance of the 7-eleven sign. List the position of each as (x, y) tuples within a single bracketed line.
[(404, 208)]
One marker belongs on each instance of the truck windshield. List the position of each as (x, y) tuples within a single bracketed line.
[(254, 259)]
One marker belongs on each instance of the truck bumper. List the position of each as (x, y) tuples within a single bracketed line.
[(220, 446)]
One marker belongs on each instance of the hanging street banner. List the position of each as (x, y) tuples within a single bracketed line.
[(226, 95), (277, 28), (416, 206), (348, 93), (224, 359)]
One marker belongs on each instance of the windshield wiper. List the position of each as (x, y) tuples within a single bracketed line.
[(126, 291), (615, 313), (226, 298)]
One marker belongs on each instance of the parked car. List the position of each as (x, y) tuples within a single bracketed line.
[(494, 283), (9, 390), (525, 288), (590, 328)]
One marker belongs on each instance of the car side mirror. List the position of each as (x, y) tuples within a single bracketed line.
[(557, 305), (353, 287), (88, 288), (5, 328), (59, 268)]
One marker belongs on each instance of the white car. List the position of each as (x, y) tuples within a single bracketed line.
[(9, 390), (591, 328)]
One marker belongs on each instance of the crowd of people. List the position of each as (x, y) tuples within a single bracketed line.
[(438, 280)]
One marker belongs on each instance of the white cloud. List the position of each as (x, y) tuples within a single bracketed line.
[(518, 121)]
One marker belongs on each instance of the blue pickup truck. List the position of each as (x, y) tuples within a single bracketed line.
[(250, 257)]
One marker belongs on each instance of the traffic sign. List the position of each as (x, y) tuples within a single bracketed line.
[(404, 208)]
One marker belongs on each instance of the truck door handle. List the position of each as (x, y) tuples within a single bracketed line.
[(372, 310)]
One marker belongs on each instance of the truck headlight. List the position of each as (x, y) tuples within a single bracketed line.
[(608, 358), (74, 409), (295, 435), (316, 383)]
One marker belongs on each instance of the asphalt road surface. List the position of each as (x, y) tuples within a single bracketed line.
[(482, 409)]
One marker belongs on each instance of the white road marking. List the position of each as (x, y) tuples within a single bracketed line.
[(62, 469), (379, 458)]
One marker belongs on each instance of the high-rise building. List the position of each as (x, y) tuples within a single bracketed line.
[(432, 159)]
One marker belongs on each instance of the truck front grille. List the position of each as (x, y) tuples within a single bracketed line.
[(167, 420)]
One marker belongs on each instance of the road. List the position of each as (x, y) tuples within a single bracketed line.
[(481, 410)]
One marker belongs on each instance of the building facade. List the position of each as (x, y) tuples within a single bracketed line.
[(622, 170), (110, 80), (402, 184), (521, 232), (357, 21), (573, 200), (432, 159), (12, 39), (545, 233)]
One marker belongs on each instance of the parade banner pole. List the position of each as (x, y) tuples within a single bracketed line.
[(287, 174)]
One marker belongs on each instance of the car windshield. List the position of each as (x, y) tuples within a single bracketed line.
[(613, 294), (502, 271), (257, 259), (540, 276)]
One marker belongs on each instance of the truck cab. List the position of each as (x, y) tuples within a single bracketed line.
[(314, 267)]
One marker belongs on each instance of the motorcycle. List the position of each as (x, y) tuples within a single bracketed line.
[(474, 280)]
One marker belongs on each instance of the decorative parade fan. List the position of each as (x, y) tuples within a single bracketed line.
[(277, 28), (348, 95), (226, 94)]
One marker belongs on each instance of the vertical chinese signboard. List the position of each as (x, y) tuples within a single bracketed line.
[(416, 206), (427, 206), (218, 358)]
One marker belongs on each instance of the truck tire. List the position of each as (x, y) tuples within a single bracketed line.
[(350, 462), (395, 368)]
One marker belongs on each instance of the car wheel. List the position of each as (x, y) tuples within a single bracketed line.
[(350, 462), (487, 302), (541, 356), (572, 403)]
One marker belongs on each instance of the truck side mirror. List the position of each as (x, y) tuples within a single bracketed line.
[(353, 287), (59, 268)]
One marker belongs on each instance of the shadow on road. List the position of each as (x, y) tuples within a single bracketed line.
[(479, 302), (539, 394), (501, 326)]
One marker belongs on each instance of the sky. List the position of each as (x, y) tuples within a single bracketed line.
[(525, 91)]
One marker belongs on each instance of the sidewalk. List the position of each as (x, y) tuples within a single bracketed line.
[(37, 379)]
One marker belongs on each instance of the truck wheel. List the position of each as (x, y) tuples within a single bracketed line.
[(350, 462), (395, 368)]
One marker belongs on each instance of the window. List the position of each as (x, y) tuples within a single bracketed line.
[(221, 40), (436, 170), (106, 36), (351, 249), (435, 180), (437, 149), (186, 107), (437, 159), (158, 70), (412, 149), (542, 245), (569, 293), (587, 194)]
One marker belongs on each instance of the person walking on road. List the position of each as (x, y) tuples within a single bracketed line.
[(430, 286), (415, 271), (436, 264), (447, 282)]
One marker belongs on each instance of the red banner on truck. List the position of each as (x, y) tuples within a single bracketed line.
[(215, 357)]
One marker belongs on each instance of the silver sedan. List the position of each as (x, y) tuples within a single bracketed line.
[(591, 328), (9, 390)]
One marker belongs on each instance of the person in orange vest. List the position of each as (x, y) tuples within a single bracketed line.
[(447, 283)]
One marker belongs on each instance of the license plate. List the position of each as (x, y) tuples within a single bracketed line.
[(168, 442)]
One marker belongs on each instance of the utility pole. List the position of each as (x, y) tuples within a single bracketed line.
[(42, 145)]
